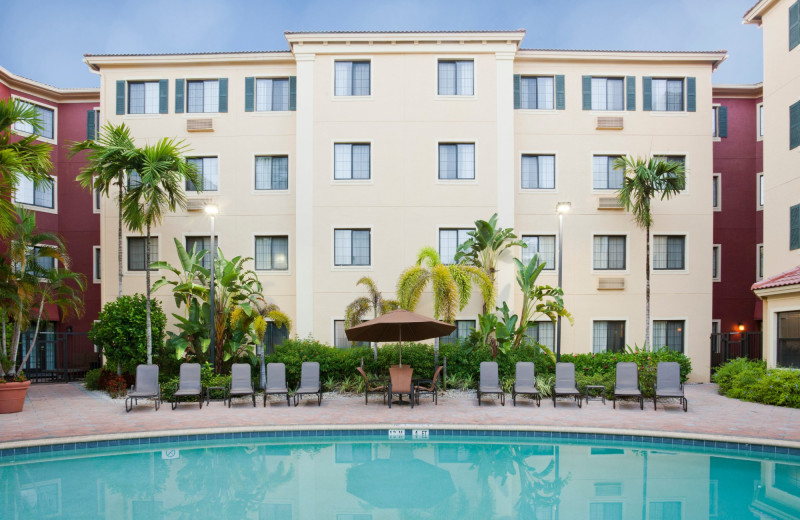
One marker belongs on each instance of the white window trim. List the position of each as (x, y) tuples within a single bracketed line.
[(599, 112), (186, 98), (275, 272), (456, 97), (218, 191), (206, 233), (685, 321), (718, 247), (370, 97), (592, 155), (686, 168), (255, 98), (441, 228), (759, 124), (545, 272), (718, 177), (759, 191), (41, 209), (759, 267), (520, 189), (143, 272), (128, 81), (716, 138), (367, 227), (773, 319), (351, 182), (541, 110), (459, 182), (591, 330), (685, 110), (95, 274), (608, 272), (269, 193), (685, 269), (42, 104), (96, 208)]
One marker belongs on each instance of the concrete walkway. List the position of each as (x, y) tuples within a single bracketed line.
[(60, 411)]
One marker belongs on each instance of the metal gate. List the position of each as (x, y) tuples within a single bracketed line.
[(58, 356), (731, 345)]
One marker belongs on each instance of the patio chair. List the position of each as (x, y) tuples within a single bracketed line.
[(627, 384), (241, 383), (146, 387), (525, 382), (189, 384), (309, 382), (490, 382), (400, 383), (429, 386), (372, 386), (565, 383), (668, 384), (276, 382)]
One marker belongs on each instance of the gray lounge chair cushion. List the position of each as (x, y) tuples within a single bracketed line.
[(525, 381), (565, 379), (241, 382), (490, 381), (627, 392), (668, 379), (189, 382), (146, 382), (309, 378), (627, 383), (276, 379)]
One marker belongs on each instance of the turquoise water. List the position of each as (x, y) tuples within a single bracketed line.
[(356, 479)]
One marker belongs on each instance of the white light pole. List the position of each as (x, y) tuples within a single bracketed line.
[(561, 209), (212, 210)]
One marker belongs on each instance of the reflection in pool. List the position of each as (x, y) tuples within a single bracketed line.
[(364, 480)]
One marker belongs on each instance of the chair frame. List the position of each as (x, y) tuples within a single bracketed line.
[(370, 388), (535, 394), (410, 392), (429, 386), (638, 397), (681, 398), (132, 400), (576, 394), (277, 390), (238, 393), (491, 391), (176, 397), (299, 392)]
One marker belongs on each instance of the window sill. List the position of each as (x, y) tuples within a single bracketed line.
[(669, 271), (42, 209), (671, 113), (270, 193), (41, 138), (346, 268), (717, 139), (143, 116), (457, 181), (273, 272), (455, 97), (270, 113), (193, 115), (539, 190), (538, 110), (352, 98), (352, 182)]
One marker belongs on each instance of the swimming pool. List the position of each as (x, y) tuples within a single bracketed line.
[(367, 475)]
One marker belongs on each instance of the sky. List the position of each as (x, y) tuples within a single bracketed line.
[(47, 44)]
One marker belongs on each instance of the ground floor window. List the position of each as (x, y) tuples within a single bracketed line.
[(608, 336), (340, 338), (273, 337), (668, 333), (463, 329), (542, 332), (789, 339)]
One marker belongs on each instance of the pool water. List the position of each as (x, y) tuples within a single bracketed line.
[(376, 478)]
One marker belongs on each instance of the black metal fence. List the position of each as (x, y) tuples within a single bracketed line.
[(731, 345), (58, 356)]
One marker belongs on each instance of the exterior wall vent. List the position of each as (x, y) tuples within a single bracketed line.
[(197, 204), (609, 203), (609, 123), (199, 125), (610, 284)]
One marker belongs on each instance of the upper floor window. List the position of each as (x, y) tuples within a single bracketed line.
[(134, 179), (794, 126), (457, 161), (669, 252), (794, 25), (668, 333), (201, 243), (351, 247), (456, 77), (667, 95), (207, 172), (272, 253), (96, 264), (605, 175), (40, 196), (542, 245), (760, 261), (720, 121), (716, 201), (608, 336), (794, 227), (351, 161), (449, 240), (761, 120), (463, 329), (716, 262), (272, 173), (538, 172), (536, 92), (143, 97), (202, 96), (761, 190), (608, 93), (137, 260), (46, 120), (609, 252), (272, 95), (352, 78), (680, 159)]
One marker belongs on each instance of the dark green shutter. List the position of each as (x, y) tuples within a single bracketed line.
[(120, 97), (794, 227), (630, 85), (794, 25), (587, 92), (517, 103), (691, 95), (249, 94), (90, 127), (560, 95), (794, 126), (292, 92), (163, 96), (647, 93), (180, 92), (223, 94), (722, 114)]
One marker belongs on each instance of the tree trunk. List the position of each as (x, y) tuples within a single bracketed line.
[(15, 345), (5, 346), (119, 242), (647, 293), (35, 335), (147, 281)]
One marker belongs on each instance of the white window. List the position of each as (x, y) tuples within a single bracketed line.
[(207, 172), (272, 173), (716, 194), (759, 261), (716, 262), (449, 240), (143, 97), (456, 77), (542, 245), (761, 120), (538, 172), (608, 336), (196, 244), (272, 253), (457, 161), (202, 96), (542, 332), (669, 252), (667, 95), (609, 252), (136, 253), (668, 333), (536, 92), (608, 94), (352, 78), (605, 175), (760, 190), (715, 121), (46, 120), (41, 196), (715, 336), (340, 337), (96, 257), (351, 247), (97, 196), (463, 329), (351, 161), (272, 95)]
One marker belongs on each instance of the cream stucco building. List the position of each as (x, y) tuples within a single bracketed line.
[(345, 155)]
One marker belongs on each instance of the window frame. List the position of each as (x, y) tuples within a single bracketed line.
[(760, 192), (53, 108), (760, 121), (538, 155), (684, 262), (777, 344), (195, 193), (716, 263), (354, 267), (683, 331), (443, 341), (552, 77), (186, 96), (457, 179), (624, 268), (33, 207), (350, 180), (127, 253), (716, 190), (760, 261), (439, 240), (95, 272), (675, 156), (536, 328), (666, 93), (591, 169), (255, 94), (351, 60), (622, 93), (128, 97), (256, 189), (715, 122), (455, 60), (624, 322), (190, 235), (538, 236), (274, 271), (351, 344)]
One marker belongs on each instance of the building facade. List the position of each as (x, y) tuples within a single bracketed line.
[(347, 154), (66, 208), (780, 289)]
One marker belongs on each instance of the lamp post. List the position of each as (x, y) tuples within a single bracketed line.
[(561, 209), (212, 210)]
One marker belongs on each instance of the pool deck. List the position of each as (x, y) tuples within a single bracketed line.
[(67, 412)]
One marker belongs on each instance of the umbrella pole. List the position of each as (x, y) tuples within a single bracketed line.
[(400, 335)]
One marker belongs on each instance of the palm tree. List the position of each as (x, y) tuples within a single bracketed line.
[(110, 157), (358, 308), (452, 285), (163, 171), (23, 157), (644, 180), (486, 244)]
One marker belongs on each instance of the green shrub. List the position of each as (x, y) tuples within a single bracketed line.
[(780, 387), (749, 380), (92, 379), (726, 375)]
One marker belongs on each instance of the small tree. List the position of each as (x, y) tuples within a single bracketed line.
[(358, 308)]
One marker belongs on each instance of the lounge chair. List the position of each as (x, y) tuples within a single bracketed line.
[(372, 386), (490, 382), (525, 382), (241, 383), (189, 384), (400, 383), (668, 384), (429, 386), (627, 384), (146, 387), (276, 382), (309, 382), (565, 383)]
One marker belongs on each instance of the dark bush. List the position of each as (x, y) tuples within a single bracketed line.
[(749, 380), (92, 379)]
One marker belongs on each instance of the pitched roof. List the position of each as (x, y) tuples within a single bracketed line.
[(790, 277)]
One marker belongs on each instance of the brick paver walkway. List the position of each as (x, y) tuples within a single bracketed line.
[(68, 410)]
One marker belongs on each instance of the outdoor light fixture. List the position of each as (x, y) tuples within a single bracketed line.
[(212, 211), (740, 327), (561, 209)]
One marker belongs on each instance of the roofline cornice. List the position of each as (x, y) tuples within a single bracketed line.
[(43, 90), (755, 13), (404, 37), (754, 90), (97, 61), (715, 58)]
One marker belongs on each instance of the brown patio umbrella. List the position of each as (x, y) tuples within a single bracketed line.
[(399, 325)]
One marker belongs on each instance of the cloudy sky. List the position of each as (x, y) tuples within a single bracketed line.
[(48, 44)]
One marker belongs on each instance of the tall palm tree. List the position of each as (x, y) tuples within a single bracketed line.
[(110, 157), (357, 309), (452, 285), (646, 179), (20, 157), (163, 171)]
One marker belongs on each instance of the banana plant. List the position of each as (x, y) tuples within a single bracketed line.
[(537, 300)]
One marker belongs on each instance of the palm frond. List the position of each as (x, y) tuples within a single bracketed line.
[(410, 285), (445, 294)]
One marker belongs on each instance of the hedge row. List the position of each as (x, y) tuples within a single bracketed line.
[(749, 380)]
